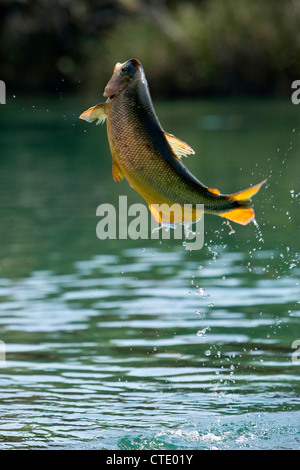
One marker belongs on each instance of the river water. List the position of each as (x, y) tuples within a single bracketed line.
[(142, 344)]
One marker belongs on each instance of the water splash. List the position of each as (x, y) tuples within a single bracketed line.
[(188, 230), (232, 231), (166, 225), (258, 234), (202, 332)]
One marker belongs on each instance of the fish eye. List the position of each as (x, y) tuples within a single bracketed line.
[(128, 69)]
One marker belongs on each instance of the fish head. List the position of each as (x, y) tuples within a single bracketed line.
[(123, 75)]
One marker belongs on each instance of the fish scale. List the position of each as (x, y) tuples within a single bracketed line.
[(150, 159)]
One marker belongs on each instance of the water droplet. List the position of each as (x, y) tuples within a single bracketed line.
[(202, 332)]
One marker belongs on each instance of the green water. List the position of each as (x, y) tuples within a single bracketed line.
[(123, 344)]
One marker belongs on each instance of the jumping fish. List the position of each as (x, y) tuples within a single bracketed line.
[(150, 158)]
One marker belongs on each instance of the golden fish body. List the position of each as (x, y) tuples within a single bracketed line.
[(150, 158)]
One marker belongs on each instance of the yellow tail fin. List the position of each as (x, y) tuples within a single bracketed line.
[(242, 215), (246, 193)]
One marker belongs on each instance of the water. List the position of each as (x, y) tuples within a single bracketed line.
[(143, 344)]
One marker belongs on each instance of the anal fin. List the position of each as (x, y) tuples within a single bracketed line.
[(157, 216), (175, 213)]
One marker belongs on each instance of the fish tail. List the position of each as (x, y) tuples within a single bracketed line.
[(242, 211)]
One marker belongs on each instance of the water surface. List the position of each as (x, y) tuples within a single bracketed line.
[(123, 344)]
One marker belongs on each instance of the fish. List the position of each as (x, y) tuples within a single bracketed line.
[(151, 159)]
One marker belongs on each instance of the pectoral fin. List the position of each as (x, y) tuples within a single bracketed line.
[(96, 112), (180, 148)]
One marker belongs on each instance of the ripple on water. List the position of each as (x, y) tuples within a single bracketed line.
[(114, 346)]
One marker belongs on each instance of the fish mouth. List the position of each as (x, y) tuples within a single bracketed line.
[(110, 98), (112, 89)]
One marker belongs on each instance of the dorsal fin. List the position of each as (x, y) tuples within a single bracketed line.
[(180, 148)]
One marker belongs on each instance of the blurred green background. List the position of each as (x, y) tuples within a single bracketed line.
[(195, 48)]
